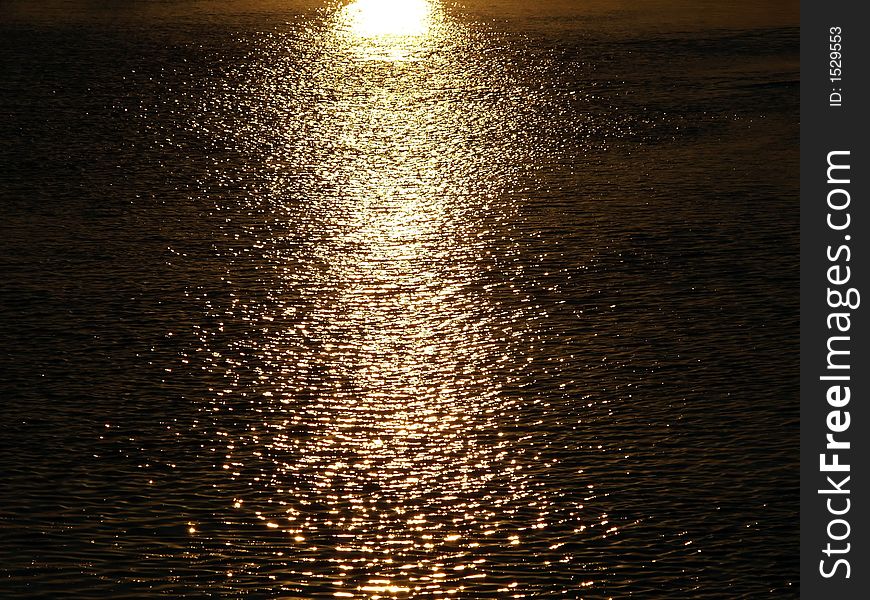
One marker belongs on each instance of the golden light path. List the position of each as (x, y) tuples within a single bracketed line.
[(377, 448)]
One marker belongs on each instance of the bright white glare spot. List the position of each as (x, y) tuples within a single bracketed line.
[(371, 18)]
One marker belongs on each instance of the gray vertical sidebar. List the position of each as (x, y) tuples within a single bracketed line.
[(832, 120)]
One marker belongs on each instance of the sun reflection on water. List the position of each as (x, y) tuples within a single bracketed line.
[(374, 436), (370, 18), (390, 30)]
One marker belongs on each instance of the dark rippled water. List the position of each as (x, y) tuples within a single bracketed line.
[(479, 301)]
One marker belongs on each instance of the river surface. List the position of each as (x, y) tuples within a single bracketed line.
[(399, 300)]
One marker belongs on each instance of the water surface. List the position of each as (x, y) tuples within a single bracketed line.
[(476, 301)]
